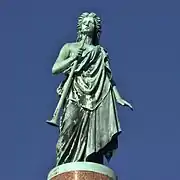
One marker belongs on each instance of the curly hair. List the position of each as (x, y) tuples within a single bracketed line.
[(97, 22)]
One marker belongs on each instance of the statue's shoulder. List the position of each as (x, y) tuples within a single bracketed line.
[(71, 45), (104, 50)]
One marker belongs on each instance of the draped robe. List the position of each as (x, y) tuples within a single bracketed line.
[(89, 123)]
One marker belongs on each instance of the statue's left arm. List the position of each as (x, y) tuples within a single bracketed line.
[(117, 95)]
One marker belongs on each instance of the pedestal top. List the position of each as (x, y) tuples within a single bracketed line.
[(80, 169)]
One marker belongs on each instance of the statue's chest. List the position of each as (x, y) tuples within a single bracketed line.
[(87, 48)]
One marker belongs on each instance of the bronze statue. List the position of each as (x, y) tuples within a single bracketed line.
[(89, 124)]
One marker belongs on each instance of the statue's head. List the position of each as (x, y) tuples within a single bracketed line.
[(89, 24)]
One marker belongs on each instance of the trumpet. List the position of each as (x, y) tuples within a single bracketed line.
[(55, 118)]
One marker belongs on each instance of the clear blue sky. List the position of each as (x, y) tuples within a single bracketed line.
[(143, 41)]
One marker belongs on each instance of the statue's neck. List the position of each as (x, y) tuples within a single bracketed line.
[(88, 39)]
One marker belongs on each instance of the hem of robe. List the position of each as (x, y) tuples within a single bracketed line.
[(107, 148), (102, 150)]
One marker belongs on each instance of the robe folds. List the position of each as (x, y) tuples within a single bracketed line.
[(89, 123)]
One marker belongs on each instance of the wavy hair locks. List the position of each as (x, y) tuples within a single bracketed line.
[(97, 30)]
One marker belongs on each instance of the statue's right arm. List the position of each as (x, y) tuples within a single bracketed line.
[(63, 61)]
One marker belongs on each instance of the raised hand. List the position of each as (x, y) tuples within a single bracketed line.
[(78, 54)]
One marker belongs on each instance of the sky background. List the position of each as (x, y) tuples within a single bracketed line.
[(143, 41)]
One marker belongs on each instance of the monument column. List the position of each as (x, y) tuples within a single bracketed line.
[(81, 171)]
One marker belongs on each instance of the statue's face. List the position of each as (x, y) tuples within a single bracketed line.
[(88, 25)]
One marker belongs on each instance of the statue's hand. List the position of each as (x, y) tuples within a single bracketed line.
[(124, 103), (78, 55), (128, 104), (59, 90), (120, 100)]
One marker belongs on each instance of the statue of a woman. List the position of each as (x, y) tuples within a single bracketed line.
[(89, 125)]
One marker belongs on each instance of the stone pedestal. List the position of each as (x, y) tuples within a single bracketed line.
[(81, 171)]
